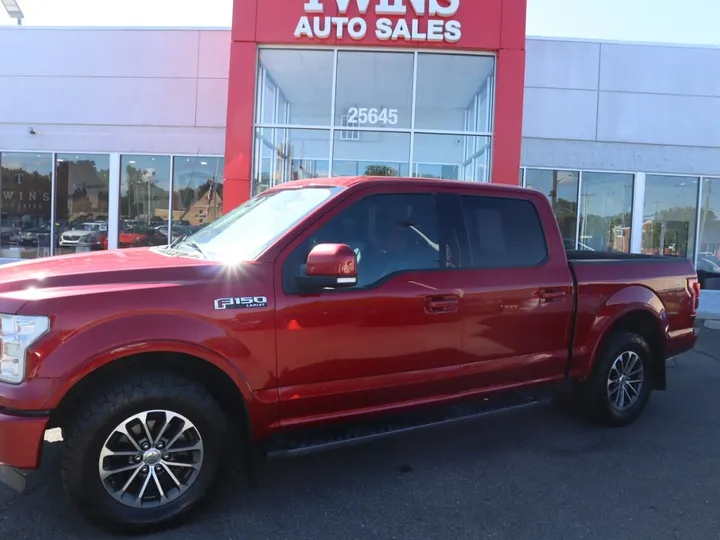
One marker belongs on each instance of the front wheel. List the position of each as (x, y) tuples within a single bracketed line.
[(621, 382), (144, 452)]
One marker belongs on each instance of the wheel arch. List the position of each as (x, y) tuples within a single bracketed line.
[(647, 323), (218, 383)]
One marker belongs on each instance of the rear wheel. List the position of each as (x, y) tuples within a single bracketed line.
[(143, 453), (620, 385)]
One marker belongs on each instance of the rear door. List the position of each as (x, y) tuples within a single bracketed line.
[(518, 297), (393, 339)]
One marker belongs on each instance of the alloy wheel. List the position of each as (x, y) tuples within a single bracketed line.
[(151, 459), (625, 381)]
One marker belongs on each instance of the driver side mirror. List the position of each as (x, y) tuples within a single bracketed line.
[(329, 266)]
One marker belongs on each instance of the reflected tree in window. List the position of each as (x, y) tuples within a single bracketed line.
[(81, 206), (708, 258), (605, 211), (197, 193), (670, 215), (561, 189)]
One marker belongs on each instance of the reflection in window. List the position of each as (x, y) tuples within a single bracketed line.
[(282, 155), (389, 233), (455, 157), (670, 214), (366, 98), (605, 211), (26, 186), (294, 86), (708, 257), (454, 92), (197, 193), (144, 201), (81, 206), (561, 189), (379, 153)]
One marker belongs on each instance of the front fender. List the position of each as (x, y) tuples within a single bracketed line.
[(66, 358), (595, 324)]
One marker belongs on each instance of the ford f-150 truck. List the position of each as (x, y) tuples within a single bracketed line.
[(319, 313)]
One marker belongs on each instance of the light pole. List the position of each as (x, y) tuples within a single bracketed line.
[(13, 9)]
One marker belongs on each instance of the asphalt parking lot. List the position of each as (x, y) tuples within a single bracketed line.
[(537, 474)]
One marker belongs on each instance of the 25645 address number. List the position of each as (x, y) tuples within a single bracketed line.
[(372, 116)]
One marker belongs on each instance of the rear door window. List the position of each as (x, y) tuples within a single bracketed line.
[(503, 232)]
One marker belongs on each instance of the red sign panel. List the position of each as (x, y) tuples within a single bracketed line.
[(461, 24)]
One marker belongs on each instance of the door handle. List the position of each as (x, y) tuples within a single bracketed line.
[(441, 303), (549, 295)]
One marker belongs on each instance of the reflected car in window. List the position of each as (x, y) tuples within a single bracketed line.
[(35, 237), (91, 234), (134, 234)]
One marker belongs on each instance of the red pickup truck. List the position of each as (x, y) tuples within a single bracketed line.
[(320, 313)]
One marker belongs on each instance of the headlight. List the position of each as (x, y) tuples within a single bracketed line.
[(18, 333)]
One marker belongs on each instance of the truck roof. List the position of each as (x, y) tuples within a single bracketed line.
[(347, 181)]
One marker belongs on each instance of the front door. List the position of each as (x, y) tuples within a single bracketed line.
[(391, 340)]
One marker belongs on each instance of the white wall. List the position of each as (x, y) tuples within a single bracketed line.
[(588, 105), (622, 106), (101, 90)]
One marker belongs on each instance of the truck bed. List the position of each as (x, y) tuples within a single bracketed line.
[(606, 281)]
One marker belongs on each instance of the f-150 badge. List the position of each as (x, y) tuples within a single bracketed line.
[(241, 302)]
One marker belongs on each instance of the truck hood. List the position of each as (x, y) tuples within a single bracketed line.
[(109, 270)]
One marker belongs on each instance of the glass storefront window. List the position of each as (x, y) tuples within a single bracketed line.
[(561, 189), (25, 187), (454, 92), (368, 96), (708, 257), (197, 193), (144, 201), (376, 153), (295, 87), (605, 211), (374, 124), (670, 215), (282, 155), (454, 157), (81, 205)]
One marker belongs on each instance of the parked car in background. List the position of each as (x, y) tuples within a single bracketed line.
[(138, 234), (90, 235), (35, 236), (319, 313)]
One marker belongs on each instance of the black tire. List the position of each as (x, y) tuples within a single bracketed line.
[(593, 395), (86, 434)]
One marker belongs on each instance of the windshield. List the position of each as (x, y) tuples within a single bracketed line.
[(249, 229)]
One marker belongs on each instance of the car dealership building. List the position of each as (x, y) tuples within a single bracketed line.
[(119, 137)]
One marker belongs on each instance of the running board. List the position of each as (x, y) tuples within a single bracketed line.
[(317, 440)]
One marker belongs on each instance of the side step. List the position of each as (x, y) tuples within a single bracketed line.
[(316, 440)]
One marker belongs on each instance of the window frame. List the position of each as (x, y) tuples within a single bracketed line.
[(286, 259)]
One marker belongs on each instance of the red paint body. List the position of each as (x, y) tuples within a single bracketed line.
[(496, 26), (308, 358)]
